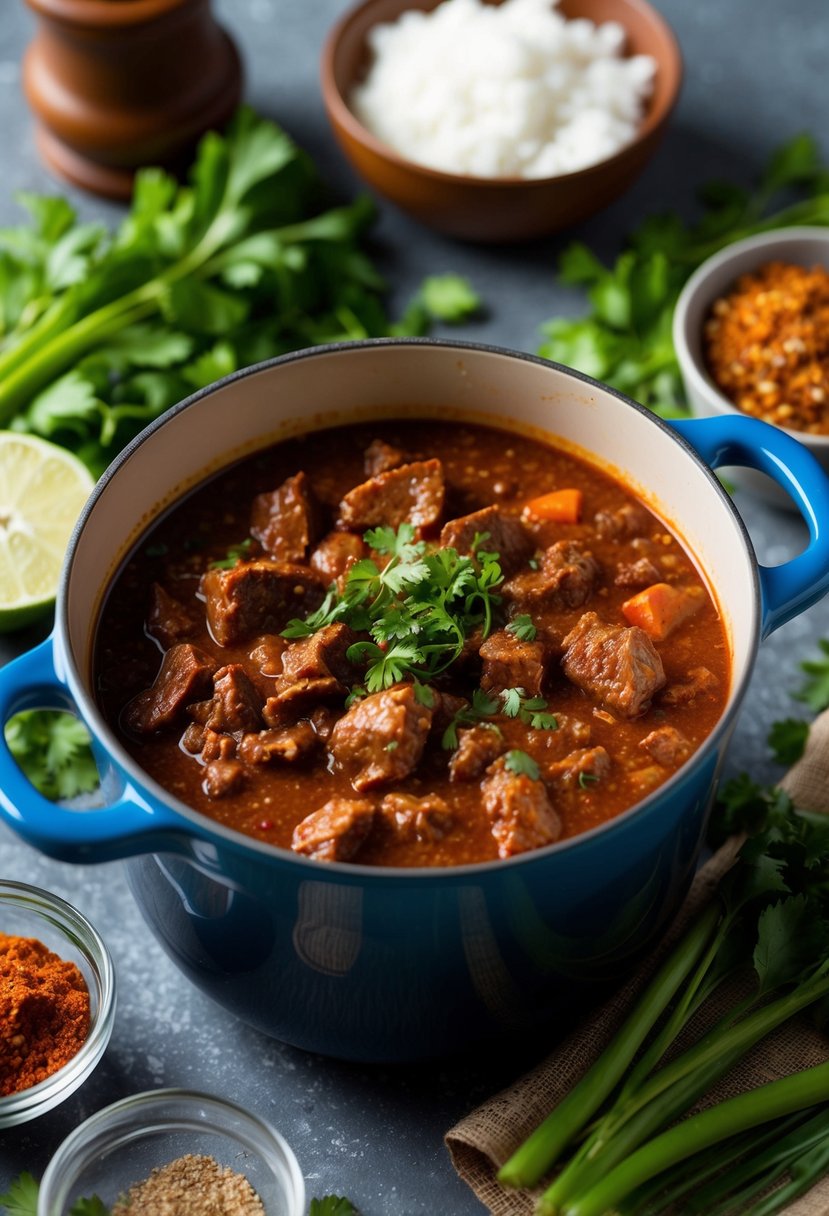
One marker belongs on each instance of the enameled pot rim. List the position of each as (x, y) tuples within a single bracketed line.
[(241, 843)]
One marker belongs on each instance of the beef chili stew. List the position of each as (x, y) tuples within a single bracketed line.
[(411, 644)]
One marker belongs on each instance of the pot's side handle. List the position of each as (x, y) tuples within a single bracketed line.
[(791, 587), (124, 827)]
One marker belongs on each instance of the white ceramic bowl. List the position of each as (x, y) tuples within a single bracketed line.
[(714, 278)]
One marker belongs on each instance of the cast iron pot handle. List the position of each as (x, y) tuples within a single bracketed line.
[(126, 826), (792, 587)]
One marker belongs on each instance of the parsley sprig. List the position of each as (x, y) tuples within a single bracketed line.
[(529, 710), (418, 608)]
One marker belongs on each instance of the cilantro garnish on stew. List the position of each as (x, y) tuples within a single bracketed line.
[(419, 607)]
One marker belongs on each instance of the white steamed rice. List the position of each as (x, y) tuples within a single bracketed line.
[(513, 90)]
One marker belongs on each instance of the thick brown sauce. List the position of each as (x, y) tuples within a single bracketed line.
[(482, 465)]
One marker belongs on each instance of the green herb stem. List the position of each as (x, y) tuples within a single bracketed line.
[(701, 1131), (543, 1148)]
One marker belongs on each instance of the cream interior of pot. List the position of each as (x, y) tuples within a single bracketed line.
[(326, 388)]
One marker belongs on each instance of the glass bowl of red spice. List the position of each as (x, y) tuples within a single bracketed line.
[(751, 333), (57, 1001), (153, 1150)]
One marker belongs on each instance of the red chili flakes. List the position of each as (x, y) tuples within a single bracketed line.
[(766, 346)]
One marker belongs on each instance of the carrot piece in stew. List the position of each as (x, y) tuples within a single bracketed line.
[(661, 608), (559, 506)]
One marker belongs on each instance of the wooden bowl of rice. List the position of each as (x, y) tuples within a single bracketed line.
[(497, 205)]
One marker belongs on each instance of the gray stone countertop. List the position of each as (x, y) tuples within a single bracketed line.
[(755, 75)]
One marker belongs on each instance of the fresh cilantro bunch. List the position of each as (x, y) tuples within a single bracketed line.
[(21, 1200), (418, 608), (625, 339), (100, 333)]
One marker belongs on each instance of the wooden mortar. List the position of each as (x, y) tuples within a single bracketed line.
[(117, 84)]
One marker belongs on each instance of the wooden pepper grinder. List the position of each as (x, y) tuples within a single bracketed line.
[(117, 84)]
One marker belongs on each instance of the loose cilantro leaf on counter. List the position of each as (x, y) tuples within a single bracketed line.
[(446, 297), (815, 689), (53, 750), (787, 739), (332, 1205), (21, 1200), (625, 338), (21, 1197)]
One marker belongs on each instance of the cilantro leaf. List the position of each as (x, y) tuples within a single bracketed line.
[(522, 627), (530, 710), (787, 739), (53, 750), (235, 554), (815, 689), (332, 1205), (21, 1197), (520, 763)]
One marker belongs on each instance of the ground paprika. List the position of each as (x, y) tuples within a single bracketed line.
[(44, 1012)]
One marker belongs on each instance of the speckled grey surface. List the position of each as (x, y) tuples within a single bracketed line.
[(755, 74)]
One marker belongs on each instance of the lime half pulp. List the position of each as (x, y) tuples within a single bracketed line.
[(42, 491)]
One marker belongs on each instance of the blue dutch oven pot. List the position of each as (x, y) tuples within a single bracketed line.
[(379, 964)]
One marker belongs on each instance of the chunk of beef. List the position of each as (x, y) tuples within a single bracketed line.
[(216, 747), (581, 767), (412, 493), (167, 619), (519, 810), (638, 574), (223, 777), (477, 747), (336, 554), (285, 521), (409, 818), (336, 831), (511, 663), (700, 682), (566, 578), (235, 705), (507, 536), (667, 746), (626, 521), (267, 654), (184, 676), (381, 738), (323, 719), (258, 597), (380, 457), (617, 665), (314, 669), (285, 746)]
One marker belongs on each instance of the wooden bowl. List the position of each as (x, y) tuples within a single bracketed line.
[(504, 209)]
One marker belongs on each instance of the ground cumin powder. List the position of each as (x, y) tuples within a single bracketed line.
[(44, 1012), (191, 1186)]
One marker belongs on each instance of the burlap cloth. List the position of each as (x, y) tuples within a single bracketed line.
[(483, 1140)]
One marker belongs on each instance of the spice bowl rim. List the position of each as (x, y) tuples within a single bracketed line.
[(709, 280), (337, 85), (79, 932), (155, 1111)]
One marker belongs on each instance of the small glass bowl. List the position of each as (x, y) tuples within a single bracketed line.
[(27, 911), (121, 1145)]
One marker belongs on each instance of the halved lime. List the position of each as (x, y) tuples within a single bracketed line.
[(42, 490)]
